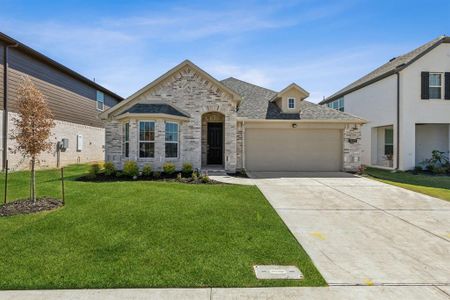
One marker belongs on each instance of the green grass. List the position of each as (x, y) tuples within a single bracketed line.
[(435, 186), (145, 234)]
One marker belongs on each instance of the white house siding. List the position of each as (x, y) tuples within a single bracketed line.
[(413, 109), (430, 137), (376, 103), (93, 145)]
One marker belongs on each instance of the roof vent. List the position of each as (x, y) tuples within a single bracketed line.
[(392, 59)]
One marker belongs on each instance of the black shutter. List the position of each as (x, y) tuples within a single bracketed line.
[(447, 85), (425, 85)]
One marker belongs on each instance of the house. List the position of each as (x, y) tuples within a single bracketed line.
[(406, 103), (186, 115), (74, 100)]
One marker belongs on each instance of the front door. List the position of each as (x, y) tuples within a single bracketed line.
[(215, 144)]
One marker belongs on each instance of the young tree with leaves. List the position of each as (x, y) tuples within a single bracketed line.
[(32, 127)]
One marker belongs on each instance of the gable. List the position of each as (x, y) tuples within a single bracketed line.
[(184, 78)]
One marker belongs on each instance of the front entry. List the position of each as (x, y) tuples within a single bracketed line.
[(215, 144)]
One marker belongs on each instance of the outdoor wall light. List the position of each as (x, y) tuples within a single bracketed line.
[(294, 125)]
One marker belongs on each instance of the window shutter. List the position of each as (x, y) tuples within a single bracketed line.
[(425, 85), (447, 85)]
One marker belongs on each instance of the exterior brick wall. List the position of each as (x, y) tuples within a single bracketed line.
[(190, 92), (93, 145)]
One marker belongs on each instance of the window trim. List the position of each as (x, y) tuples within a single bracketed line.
[(148, 142), (172, 142), (340, 104), (102, 101), (125, 141), (388, 144), (436, 86), (288, 100)]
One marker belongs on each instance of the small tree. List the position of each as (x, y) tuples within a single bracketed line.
[(32, 127)]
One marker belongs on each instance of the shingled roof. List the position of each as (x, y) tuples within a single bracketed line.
[(157, 108), (256, 104), (391, 67)]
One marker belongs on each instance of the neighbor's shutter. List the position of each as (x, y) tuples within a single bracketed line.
[(447, 85), (425, 85)]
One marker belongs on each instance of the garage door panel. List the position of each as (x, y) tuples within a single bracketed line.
[(293, 149)]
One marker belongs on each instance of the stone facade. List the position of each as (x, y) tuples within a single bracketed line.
[(190, 92), (352, 147), (92, 150)]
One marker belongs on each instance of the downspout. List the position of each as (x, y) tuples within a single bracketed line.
[(5, 104), (398, 122), (243, 145)]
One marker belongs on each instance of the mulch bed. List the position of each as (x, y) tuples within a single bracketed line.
[(101, 177), (21, 206)]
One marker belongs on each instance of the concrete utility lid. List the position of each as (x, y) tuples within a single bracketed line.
[(277, 272)]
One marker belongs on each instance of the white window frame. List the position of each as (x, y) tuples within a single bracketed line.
[(340, 104), (436, 86), (172, 142), (147, 142), (124, 140), (100, 101), (288, 100)]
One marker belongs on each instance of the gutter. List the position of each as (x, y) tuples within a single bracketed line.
[(5, 104)]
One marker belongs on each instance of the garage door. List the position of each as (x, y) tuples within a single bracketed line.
[(293, 149)]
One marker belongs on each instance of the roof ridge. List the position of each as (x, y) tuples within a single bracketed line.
[(392, 66), (255, 85)]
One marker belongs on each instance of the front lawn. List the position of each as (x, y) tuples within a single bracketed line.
[(432, 185), (145, 234)]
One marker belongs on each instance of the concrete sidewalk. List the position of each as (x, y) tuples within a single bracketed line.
[(335, 292)]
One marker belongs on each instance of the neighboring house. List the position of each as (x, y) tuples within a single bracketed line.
[(74, 100), (407, 104), (188, 116)]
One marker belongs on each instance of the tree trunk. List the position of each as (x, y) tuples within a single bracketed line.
[(33, 181)]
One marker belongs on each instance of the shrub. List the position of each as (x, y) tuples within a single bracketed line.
[(440, 170), (194, 176), (187, 169), (157, 175), (179, 177), (130, 169), (437, 163), (205, 179), (94, 170), (169, 168), (147, 170), (417, 170), (110, 169)]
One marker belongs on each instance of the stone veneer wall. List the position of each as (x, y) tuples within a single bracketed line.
[(93, 145), (239, 145), (352, 151), (190, 92)]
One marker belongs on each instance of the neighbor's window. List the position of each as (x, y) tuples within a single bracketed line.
[(291, 103), (388, 141), (171, 139), (435, 87), (337, 104), (147, 139), (100, 100), (126, 140)]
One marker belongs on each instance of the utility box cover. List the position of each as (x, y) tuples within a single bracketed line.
[(277, 272), (79, 142)]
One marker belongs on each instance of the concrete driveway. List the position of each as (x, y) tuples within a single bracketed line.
[(362, 232)]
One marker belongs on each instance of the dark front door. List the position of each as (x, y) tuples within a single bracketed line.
[(215, 143)]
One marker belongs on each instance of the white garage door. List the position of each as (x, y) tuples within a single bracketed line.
[(293, 149)]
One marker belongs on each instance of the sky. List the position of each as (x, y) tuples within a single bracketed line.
[(320, 45)]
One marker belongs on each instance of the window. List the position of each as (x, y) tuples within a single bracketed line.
[(146, 139), (337, 104), (171, 139), (388, 141), (291, 103), (435, 86), (126, 140), (100, 101)]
